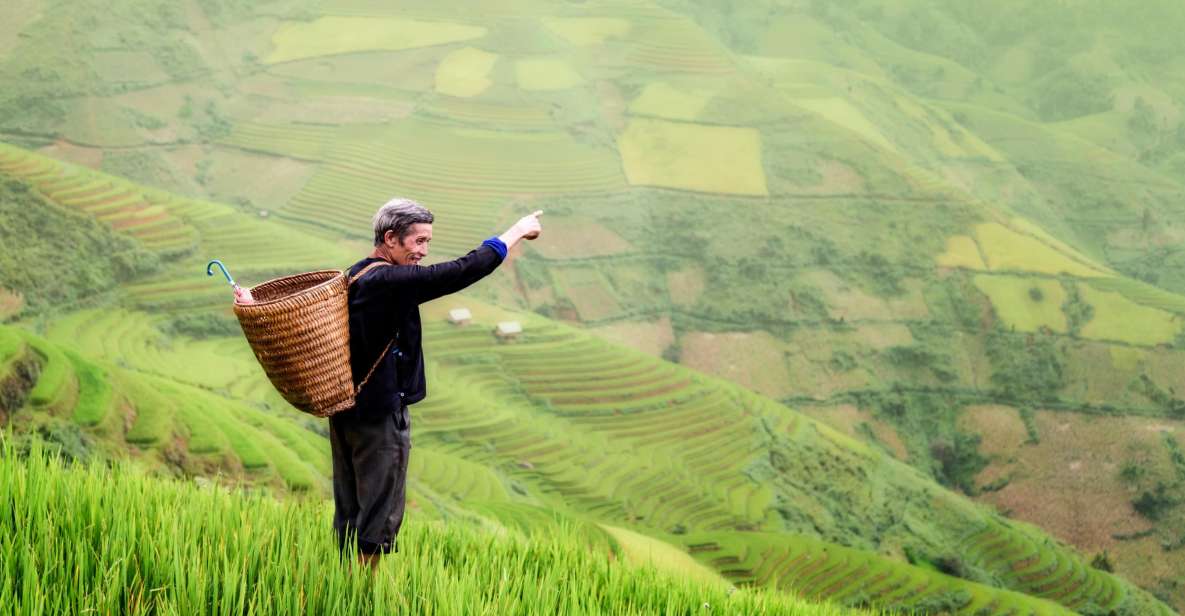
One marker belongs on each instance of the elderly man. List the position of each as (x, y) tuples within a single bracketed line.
[(371, 441)]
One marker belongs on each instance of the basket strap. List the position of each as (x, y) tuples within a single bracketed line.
[(374, 366), (366, 269)]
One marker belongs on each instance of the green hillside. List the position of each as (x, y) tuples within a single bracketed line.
[(534, 423), (947, 235)]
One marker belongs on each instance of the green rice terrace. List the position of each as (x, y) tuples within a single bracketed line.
[(863, 305)]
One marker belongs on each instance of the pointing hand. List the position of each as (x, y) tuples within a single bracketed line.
[(529, 225)]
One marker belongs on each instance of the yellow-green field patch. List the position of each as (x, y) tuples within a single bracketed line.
[(1026, 304), (543, 74), (661, 99), (713, 159), (1008, 250), (841, 112), (1118, 318), (326, 36), (465, 72), (588, 30), (961, 251), (373, 73), (1028, 227)]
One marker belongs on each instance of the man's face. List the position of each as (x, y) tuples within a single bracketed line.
[(414, 246)]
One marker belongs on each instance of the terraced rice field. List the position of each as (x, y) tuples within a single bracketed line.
[(668, 43), (601, 412), (558, 417), (467, 177), (126, 207), (455, 477), (583, 31), (306, 142), (453, 111), (811, 568), (335, 34), (1031, 568), (153, 412)]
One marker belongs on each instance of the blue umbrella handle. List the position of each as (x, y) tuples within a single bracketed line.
[(210, 271)]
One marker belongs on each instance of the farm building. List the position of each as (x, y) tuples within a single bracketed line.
[(508, 330), (460, 316)]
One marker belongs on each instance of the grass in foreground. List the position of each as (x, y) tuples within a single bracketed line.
[(90, 539)]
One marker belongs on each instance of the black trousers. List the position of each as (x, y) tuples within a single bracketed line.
[(370, 453)]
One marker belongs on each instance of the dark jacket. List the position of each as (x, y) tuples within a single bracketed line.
[(385, 303)]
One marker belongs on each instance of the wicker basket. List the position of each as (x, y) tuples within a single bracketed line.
[(299, 329)]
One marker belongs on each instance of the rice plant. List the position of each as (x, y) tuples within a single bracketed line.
[(77, 540)]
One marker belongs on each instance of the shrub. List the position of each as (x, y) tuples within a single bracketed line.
[(1102, 562), (1154, 504), (959, 460)]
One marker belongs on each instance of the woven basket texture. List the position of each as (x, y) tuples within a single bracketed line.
[(299, 330)]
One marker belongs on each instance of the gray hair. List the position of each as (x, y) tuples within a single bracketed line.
[(399, 215)]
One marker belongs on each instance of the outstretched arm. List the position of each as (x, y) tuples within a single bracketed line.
[(433, 281)]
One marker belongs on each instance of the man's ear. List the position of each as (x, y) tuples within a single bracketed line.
[(390, 238)]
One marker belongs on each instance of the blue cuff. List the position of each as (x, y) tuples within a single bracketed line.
[(498, 245)]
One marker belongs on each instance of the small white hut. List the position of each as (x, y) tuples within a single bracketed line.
[(508, 330), (460, 316)]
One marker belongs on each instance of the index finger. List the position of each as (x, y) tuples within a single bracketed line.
[(537, 213)]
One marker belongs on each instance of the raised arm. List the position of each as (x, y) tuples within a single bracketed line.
[(433, 281)]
